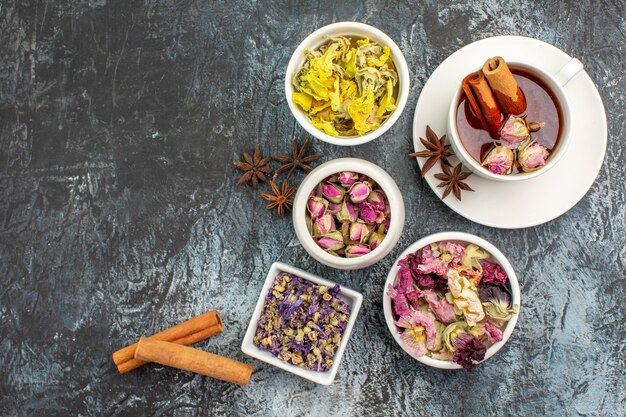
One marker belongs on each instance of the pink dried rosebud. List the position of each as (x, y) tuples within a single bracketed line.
[(359, 191), (499, 160), (347, 212), (514, 132), (352, 251), (367, 213), (348, 178), (359, 232), (334, 207), (532, 157), (377, 198), (332, 241), (333, 192), (324, 225), (316, 206), (386, 223), (376, 239)]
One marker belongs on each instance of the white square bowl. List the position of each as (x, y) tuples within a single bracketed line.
[(350, 297)]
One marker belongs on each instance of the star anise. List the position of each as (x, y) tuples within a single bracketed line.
[(298, 159), (254, 168), (280, 197), (436, 149), (452, 180)]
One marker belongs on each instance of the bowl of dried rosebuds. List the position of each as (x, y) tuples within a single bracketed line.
[(348, 213)]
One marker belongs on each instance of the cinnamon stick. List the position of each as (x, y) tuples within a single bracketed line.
[(194, 360), (508, 94), (186, 333), (481, 94)]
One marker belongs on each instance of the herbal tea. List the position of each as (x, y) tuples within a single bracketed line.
[(509, 125)]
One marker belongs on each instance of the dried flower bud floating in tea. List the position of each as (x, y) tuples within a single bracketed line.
[(532, 157), (514, 132), (499, 160)]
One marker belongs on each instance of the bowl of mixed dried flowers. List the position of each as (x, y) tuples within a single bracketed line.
[(451, 300), (347, 83), (302, 323), (348, 213)]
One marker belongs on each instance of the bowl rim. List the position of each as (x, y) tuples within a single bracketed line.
[(352, 297), (563, 101), (317, 38), (386, 183), (460, 237)]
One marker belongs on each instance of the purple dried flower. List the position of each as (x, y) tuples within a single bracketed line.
[(469, 351), (302, 323), (493, 274)]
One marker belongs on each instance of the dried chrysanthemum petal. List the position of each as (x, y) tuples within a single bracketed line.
[(345, 87)]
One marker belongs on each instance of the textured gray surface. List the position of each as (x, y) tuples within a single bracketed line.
[(118, 124)]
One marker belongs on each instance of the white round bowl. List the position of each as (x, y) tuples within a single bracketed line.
[(496, 256), (386, 183), (317, 39), (566, 128)]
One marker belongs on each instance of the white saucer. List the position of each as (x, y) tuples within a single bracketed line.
[(519, 204)]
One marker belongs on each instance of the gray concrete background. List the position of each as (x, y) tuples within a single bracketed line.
[(119, 121)]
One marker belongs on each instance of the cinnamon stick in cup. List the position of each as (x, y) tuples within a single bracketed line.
[(186, 333), (483, 102), (194, 360), (510, 97)]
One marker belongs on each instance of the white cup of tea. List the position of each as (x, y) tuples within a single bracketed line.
[(555, 84)]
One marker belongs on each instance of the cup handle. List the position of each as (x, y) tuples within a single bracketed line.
[(568, 71)]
